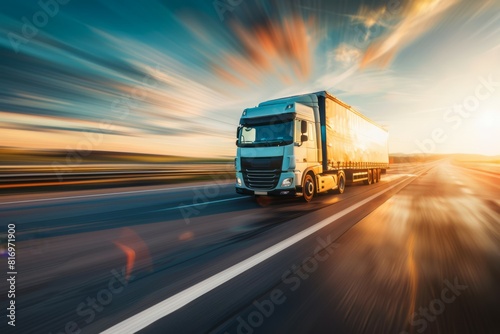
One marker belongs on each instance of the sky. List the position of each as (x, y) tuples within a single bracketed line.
[(172, 77)]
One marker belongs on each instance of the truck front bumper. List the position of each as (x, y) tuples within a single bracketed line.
[(279, 191), (275, 192)]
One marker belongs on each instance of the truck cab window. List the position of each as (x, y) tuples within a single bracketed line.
[(298, 130), (247, 135), (310, 132), (267, 134)]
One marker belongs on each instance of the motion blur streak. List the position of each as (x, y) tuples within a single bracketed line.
[(278, 45), (136, 251), (136, 76), (417, 18), (396, 261), (412, 272), (130, 253)]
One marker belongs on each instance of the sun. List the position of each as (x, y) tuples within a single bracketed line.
[(486, 129), (489, 120)]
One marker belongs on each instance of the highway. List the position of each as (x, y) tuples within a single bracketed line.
[(418, 252)]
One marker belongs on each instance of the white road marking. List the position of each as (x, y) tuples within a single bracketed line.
[(102, 195), (392, 177), (175, 302), (202, 203)]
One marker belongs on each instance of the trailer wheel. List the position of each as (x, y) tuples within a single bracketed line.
[(370, 177), (308, 188), (377, 173), (341, 184)]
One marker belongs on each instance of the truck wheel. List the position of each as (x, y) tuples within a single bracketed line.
[(308, 188), (377, 173), (370, 177), (341, 184)]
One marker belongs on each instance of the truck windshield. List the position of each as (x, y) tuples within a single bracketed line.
[(276, 134)]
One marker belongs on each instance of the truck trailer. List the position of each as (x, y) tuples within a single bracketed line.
[(307, 144)]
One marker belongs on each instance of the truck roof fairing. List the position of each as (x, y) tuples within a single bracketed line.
[(284, 111), (311, 100)]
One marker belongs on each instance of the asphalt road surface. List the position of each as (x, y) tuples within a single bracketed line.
[(418, 252)]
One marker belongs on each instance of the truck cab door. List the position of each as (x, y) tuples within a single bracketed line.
[(312, 145), (300, 148)]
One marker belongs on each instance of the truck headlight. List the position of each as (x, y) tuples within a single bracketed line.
[(287, 182), (238, 181)]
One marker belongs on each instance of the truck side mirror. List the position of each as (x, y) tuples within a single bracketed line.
[(238, 131), (303, 127), (304, 138)]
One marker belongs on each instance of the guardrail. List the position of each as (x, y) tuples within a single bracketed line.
[(29, 177)]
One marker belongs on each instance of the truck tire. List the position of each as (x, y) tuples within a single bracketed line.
[(377, 175), (341, 183), (370, 177), (308, 188)]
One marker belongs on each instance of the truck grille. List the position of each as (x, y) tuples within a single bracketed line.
[(261, 173), (261, 179)]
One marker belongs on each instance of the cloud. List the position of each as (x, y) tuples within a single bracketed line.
[(278, 48), (417, 19), (345, 55), (370, 16), (11, 120)]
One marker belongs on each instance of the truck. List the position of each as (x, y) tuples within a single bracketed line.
[(307, 144)]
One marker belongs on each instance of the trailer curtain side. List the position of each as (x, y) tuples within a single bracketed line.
[(350, 140)]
